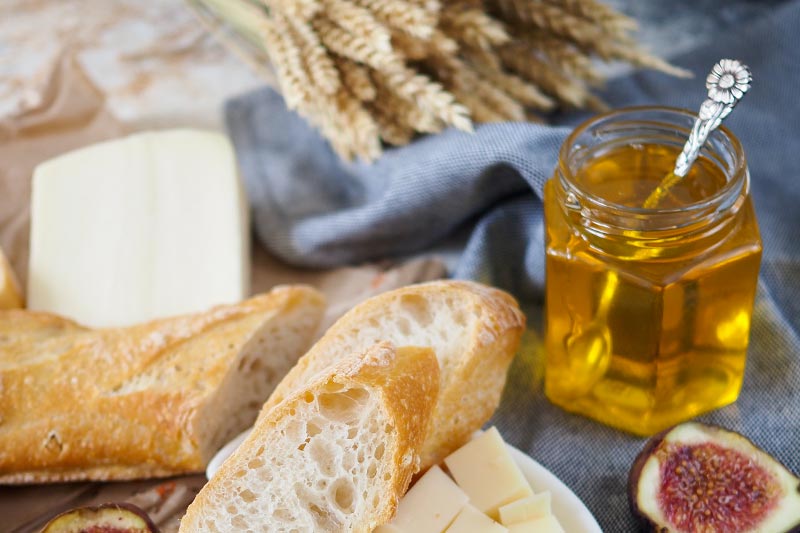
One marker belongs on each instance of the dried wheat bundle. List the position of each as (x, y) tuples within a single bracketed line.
[(368, 72)]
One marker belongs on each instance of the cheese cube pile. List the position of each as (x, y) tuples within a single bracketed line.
[(487, 494)]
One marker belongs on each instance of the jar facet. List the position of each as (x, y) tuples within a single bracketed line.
[(647, 310)]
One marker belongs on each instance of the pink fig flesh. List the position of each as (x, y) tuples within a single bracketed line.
[(699, 478), (706, 486)]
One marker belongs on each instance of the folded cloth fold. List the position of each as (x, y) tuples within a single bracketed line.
[(313, 210)]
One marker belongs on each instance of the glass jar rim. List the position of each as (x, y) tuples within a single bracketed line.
[(737, 173)]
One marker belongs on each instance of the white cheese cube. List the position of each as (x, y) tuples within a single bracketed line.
[(536, 506), (10, 294), (487, 473), (430, 505), (143, 227), (548, 524), (471, 520)]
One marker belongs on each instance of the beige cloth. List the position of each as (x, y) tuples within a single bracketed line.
[(72, 114)]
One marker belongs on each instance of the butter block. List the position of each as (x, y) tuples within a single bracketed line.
[(10, 293), (526, 509), (471, 520), (548, 524), (143, 227), (484, 469), (430, 505)]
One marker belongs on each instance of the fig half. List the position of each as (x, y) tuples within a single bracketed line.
[(106, 518), (696, 478)]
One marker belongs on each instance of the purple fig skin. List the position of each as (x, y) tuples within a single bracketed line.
[(633, 481), (97, 508), (646, 523)]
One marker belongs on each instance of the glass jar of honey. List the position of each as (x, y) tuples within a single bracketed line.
[(648, 310)]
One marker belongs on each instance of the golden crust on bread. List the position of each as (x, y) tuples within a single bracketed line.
[(487, 326), (261, 486), (155, 399), (10, 292)]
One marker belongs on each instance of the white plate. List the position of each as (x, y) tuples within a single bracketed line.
[(224, 453), (572, 514)]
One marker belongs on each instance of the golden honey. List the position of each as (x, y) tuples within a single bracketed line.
[(648, 311)]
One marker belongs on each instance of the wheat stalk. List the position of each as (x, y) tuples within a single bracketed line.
[(526, 93), (474, 28), (403, 16), (428, 95), (356, 47), (599, 13), (559, 51), (320, 67), (285, 54), (357, 79), (370, 71), (359, 22)]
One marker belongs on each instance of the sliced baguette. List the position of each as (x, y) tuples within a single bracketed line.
[(333, 456), (474, 330), (152, 400)]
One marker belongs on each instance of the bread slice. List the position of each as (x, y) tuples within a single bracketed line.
[(474, 330), (152, 400), (336, 455)]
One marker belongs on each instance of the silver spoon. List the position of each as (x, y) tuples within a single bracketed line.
[(588, 349), (727, 83)]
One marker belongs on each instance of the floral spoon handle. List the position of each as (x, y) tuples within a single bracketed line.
[(727, 83)]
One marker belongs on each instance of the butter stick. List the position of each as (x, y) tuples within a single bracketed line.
[(138, 228)]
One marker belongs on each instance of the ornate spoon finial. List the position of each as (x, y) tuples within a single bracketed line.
[(727, 83)]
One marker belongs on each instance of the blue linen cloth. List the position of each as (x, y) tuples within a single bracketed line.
[(312, 210)]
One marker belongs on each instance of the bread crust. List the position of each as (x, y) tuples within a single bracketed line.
[(124, 403), (406, 380), (10, 292), (471, 384)]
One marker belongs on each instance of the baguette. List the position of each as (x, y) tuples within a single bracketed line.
[(10, 292), (335, 455), (157, 399), (474, 330)]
